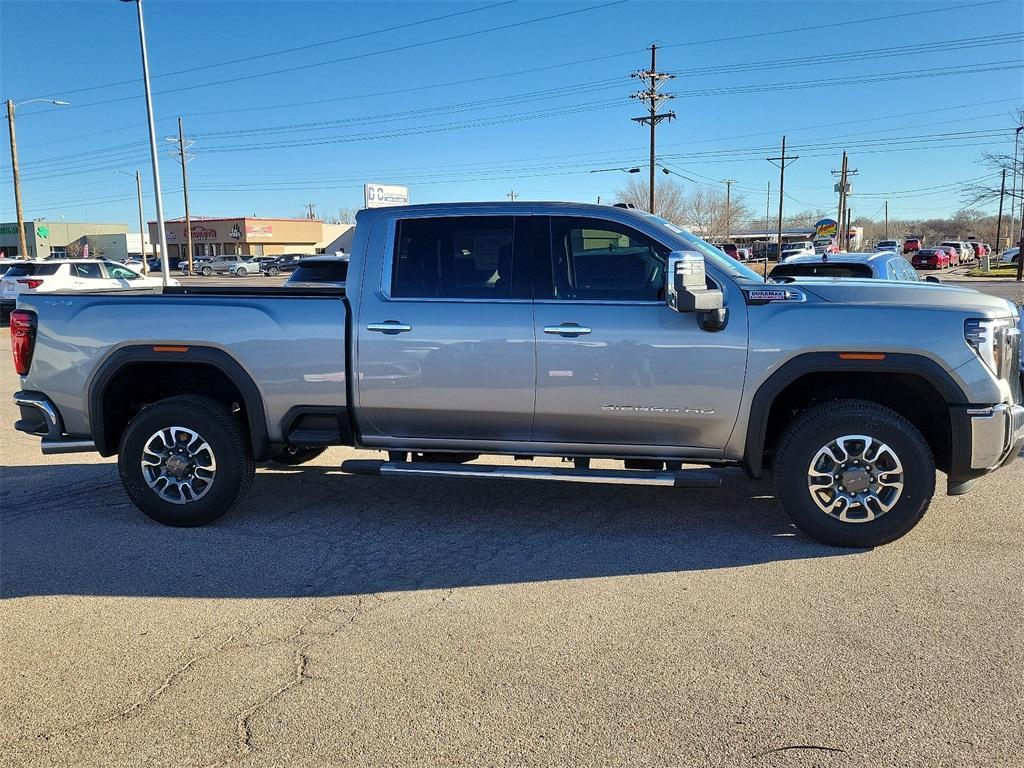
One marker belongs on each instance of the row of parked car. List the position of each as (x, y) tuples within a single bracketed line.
[(949, 253)]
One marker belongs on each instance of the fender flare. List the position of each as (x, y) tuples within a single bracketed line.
[(190, 355), (830, 362)]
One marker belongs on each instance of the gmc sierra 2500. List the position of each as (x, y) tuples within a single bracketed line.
[(551, 329)]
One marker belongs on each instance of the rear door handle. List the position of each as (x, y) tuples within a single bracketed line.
[(567, 329), (390, 327)]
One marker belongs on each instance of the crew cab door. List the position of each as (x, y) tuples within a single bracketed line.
[(444, 338), (615, 365)]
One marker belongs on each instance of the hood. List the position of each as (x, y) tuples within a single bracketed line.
[(891, 293)]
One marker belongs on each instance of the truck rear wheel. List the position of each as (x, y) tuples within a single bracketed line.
[(853, 473), (185, 461)]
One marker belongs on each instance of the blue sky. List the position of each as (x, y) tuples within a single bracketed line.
[(532, 106)]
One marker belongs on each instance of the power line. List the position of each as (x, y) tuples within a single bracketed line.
[(296, 49)]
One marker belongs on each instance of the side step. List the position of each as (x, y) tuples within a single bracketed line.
[(686, 478)]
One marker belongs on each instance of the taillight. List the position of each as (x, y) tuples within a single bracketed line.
[(31, 282), (23, 339)]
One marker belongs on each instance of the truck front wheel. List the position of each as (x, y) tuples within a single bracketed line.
[(853, 473), (185, 461)]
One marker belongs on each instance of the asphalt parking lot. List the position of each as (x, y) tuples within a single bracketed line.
[(334, 620)]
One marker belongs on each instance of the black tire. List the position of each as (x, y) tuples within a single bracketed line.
[(816, 428), (241, 272), (206, 271), (273, 271), (293, 456), (227, 439)]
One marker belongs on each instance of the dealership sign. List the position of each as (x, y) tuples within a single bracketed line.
[(259, 230), (384, 195)]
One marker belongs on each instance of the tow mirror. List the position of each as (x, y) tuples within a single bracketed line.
[(687, 290)]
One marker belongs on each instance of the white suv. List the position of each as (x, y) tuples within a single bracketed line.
[(54, 275), (806, 248)]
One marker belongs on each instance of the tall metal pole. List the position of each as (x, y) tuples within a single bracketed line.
[(22, 245), (142, 232), (1013, 194), (999, 220), (886, 219), (184, 187), (164, 266)]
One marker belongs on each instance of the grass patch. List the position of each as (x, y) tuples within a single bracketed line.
[(1009, 270)]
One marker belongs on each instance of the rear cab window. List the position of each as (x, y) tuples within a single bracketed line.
[(458, 257), (321, 272)]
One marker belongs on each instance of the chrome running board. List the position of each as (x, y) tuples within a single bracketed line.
[(685, 478)]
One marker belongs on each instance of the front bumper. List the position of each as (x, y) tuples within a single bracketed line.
[(997, 435), (40, 417)]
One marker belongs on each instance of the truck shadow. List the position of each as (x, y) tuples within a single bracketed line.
[(316, 532)]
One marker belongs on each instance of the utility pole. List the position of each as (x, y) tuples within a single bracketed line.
[(843, 188), (999, 220), (1013, 194), (653, 98), (512, 195), (783, 160), (728, 205), (767, 216), (311, 211), (183, 157), (886, 219), (22, 245)]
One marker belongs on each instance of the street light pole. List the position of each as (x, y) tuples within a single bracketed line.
[(162, 234), (22, 244), (1013, 194)]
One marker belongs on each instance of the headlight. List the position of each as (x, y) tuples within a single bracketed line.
[(996, 342)]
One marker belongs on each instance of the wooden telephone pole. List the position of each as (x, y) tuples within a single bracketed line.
[(653, 98), (781, 162)]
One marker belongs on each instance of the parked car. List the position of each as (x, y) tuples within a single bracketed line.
[(284, 263), (218, 265), (964, 252), (6, 264), (1010, 255), (977, 249), (912, 243), (825, 244), (884, 265), (931, 258), (887, 245), (68, 275), (790, 250), (252, 265), (729, 248), (744, 254), (438, 350), (319, 271)]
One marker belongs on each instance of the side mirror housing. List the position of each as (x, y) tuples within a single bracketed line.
[(932, 279), (687, 290)]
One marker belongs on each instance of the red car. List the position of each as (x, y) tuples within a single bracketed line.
[(979, 248), (911, 245), (931, 258)]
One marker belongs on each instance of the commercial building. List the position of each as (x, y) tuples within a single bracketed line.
[(56, 239), (253, 236)]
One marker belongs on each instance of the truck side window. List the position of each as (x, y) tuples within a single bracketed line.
[(598, 259), (456, 257)]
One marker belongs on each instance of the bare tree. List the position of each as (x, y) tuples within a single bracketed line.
[(668, 198), (347, 215), (702, 209)]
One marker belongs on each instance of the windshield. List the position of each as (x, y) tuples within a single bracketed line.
[(716, 256)]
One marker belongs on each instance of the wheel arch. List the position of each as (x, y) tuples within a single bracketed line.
[(913, 385), (184, 369)]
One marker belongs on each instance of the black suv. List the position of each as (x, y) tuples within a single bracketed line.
[(286, 262)]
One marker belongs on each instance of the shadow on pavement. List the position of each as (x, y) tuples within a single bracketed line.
[(312, 531)]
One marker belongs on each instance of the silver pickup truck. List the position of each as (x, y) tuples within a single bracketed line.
[(537, 329)]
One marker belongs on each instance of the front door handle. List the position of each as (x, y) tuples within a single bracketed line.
[(389, 326), (567, 329)]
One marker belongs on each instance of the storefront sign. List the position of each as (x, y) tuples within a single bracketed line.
[(826, 228), (202, 233), (259, 230), (384, 195), (42, 231)]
